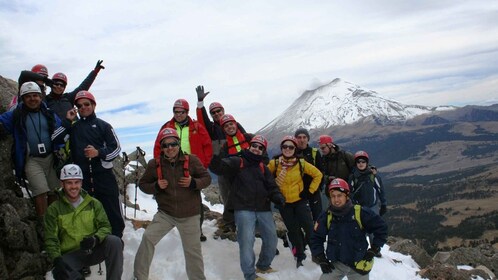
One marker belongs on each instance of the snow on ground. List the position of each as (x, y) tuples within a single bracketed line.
[(221, 257)]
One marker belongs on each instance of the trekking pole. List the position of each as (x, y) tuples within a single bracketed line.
[(125, 162), (140, 153)]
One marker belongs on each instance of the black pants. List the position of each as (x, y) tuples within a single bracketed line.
[(105, 189), (297, 218), (315, 201)]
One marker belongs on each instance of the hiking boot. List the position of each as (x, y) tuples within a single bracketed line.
[(203, 237), (277, 252), (86, 271), (378, 255), (264, 271), (299, 263)]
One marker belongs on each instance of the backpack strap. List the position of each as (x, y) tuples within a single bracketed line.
[(313, 155), (357, 216), (186, 172), (159, 169)]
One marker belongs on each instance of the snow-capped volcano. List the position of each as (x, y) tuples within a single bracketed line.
[(341, 103)]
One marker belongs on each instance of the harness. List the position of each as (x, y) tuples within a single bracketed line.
[(159, 170)]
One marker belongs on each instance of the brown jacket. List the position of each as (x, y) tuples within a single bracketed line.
[(176, 201)]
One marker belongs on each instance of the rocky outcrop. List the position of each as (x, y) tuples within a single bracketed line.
[(407, 247), (20, 230)]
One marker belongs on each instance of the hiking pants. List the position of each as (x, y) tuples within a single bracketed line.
[(246, 222), (105, 190), (315, 202), (189, 235), (110, 250), (297, 217)]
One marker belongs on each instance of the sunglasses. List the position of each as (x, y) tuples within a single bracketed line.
[(170, 145), (287, 147), (215, 112), (85, 104), (257, 146), (361, 161), (59, 85), (179, 112)]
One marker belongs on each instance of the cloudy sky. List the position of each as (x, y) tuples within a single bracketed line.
[(255, 57)]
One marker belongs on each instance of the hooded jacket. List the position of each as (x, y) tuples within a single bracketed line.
[(66, 226), (346, 241)]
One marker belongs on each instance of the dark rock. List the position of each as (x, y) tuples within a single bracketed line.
[(483, 254), (446, 271), (407, 247)]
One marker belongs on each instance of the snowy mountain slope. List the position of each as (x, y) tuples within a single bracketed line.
[(340, 103)]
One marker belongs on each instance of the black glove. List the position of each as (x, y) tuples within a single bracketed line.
[(370, 254), (200, 93), (383, 210), (279, 201), (99, 66), (325, 264), (88, 243), (305, 194), (48, 81)]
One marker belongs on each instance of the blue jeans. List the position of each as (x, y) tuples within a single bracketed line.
[(246, 222)]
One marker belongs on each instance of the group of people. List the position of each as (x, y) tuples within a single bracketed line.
[(59, 141), (316, 191)]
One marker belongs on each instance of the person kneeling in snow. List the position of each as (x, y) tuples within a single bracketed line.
[(252, 189), (78, 233), (176, 180), (346, 226)]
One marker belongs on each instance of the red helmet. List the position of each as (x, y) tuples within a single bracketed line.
[(361, 154), (340, 185), (40, 69), (226, 118), (181, 103), (60, 76), (168, 132), (289, 138), (215, 105), (260, 140), (85, 94), (325, 139)]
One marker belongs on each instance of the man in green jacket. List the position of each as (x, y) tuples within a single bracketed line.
[(78, 233)]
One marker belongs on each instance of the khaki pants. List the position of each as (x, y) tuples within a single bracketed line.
[(189, 234), (41, 175)]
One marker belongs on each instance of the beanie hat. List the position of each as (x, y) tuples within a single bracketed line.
[(302, 131)]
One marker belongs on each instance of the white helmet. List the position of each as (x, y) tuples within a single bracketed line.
[(30, 87), (71, 171)]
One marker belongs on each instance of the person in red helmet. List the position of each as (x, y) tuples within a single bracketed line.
[(61, 102), (344, 227), (213, 127), (94, 145), (176, 180), (252, 190), (288, 171), (194, 139), (38, 74), (236, 141), (337, 163)]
